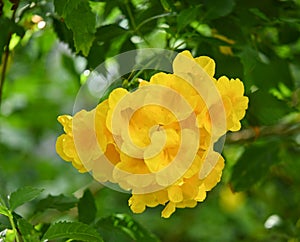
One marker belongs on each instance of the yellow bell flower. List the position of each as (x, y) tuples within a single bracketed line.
[(157, 141)]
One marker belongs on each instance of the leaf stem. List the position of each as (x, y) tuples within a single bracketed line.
[(133, 24), (130, 16), (11, 220), (153, 18)]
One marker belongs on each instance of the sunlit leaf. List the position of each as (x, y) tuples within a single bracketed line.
[(83, 25), (72, 230), (23, 195), (8, 27), (167, 5), (4, 210), (186, 16)]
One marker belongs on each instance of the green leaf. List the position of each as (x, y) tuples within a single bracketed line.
[(186, 16), (249, 59), (79, 18), (4, 223), (60, 202), (95, 57), (259, 14), (63, 33), (265, 109), (72, 230), (87, 208), (122, 227), (218, 8), (8, 27), (60, 6), (4, 210), (23, 195), (109, 8), (254, 164), (167, 5), (108, 32), (289, 155), (262, 73), (107, 37), (29, 234)]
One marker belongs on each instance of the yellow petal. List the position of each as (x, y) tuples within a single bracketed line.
[(132, 165), (201, 193), (235, 103), (103, 135), (187, 204), (215, 175), (189, 189), (143, 83), (59, 147), (237, 86), (115, 96), (241, 104), (151, 200), (183, 61), (157, 163), (66, 122), (115, 108), (194, 168), (174, 82), (175, 194), (85, 139), (168, 210), (207, 63), (136, 204), (162, 196)]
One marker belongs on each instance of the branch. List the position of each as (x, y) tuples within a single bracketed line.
[(253, 133)]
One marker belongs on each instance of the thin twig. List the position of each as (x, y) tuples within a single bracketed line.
[(6, 54), (4, 67)]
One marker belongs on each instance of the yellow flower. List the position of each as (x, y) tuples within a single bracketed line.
[(157, 142), (235, 103), (184, 193), (84, 148)]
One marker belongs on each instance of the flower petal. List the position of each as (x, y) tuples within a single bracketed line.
[(175, 194), (168, 210)]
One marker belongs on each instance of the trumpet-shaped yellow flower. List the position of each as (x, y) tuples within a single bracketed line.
[(235, 103), (157, 142)]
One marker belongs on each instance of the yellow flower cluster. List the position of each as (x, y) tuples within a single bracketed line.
[(157, 142)]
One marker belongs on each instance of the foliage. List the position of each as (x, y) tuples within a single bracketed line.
[(42, 68)]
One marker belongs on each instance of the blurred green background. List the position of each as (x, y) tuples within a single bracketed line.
[(53, 43)]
